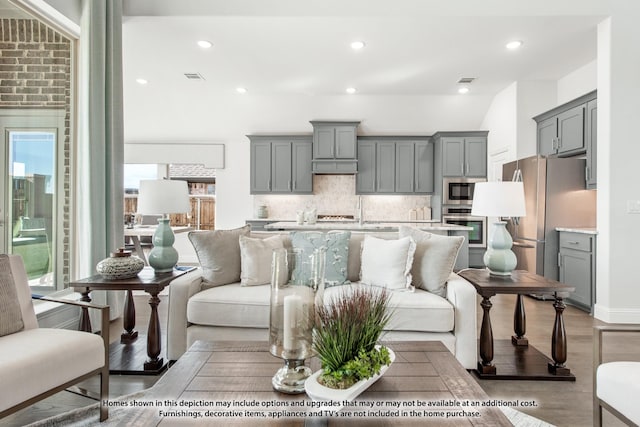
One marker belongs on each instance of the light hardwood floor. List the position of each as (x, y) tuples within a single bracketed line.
[(560, 403)]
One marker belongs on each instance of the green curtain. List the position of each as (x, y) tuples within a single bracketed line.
[(100, 161)]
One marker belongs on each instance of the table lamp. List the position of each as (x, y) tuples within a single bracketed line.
[(163, 197), (499, 199)]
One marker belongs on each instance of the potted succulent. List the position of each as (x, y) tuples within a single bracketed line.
[(345, 340)]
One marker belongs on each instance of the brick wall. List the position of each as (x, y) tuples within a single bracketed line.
[(35, 65), (35, 72)]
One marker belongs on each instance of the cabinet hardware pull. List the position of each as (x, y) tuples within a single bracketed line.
[(573, 242), (289, 185), (586, 172), (559, 260)]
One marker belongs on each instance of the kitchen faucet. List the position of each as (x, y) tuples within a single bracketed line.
[(360, 210)]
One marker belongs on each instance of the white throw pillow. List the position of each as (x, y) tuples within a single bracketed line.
[(387, 263), (434, 259), (255, 259)]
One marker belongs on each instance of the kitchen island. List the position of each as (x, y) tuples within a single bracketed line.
[(383, 227)]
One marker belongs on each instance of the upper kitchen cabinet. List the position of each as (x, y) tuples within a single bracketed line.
[(335, 147), (563, 130), (281, 164), (395, 165), (464, 154), (591, 137)]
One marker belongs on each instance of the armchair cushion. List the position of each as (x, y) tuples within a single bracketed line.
[(10, 313), (617, 381), (219, 254), (32, 361)]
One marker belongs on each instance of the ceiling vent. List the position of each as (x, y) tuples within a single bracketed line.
[(466, 80), (193, 76)]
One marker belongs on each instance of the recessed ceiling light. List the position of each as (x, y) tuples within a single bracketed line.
[(357, 45), (142, 81), (463, 89), (351, 90), (241, 89), (513, 45), (204, 44)]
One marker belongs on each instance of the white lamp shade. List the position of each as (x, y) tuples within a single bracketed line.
[(500, 199), (163, 196)]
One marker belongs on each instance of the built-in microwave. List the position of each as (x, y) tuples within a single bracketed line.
[(459, 191)]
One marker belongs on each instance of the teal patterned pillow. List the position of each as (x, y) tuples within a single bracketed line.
[(337, 244)]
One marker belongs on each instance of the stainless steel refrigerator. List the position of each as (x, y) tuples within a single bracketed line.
[(555, 196)]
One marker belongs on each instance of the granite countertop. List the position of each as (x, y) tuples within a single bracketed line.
[(367, 226), (582, 230)]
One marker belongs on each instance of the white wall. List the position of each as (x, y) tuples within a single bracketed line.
[(618, 293), (501, 122), (578, 82), (230, 119)]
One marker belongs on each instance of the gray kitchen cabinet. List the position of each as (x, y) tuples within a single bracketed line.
[(547, 136), (260, 167), (366, 177), (395, 165), (424, 167), (464, 156), (302, 177), (576, 263), (591, 138), (280, 164), (564, 130), (386, 167), (414, 167)]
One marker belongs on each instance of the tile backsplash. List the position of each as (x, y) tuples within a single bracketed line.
[(336, 195)]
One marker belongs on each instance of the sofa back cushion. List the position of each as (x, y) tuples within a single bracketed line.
[(219, 254), (434, 259)]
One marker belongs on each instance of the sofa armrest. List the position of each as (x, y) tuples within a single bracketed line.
[(180, 290), (462, 295)]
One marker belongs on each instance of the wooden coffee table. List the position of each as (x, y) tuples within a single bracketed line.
[(214, 374)]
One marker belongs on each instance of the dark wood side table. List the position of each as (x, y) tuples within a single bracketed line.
[(146, 281), (527, 364)]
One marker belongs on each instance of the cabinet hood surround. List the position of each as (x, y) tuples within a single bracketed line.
[(335, 147)]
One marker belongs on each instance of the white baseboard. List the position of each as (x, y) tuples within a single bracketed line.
[(616, 315)]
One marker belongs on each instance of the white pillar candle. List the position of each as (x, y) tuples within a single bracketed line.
[(292, 316)]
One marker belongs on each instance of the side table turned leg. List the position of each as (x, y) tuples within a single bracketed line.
[(486, 340), (85, 320), (153, 337), (129, 320), (519, 324), (559, 341)]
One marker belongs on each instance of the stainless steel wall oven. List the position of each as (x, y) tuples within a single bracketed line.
[(461, 215)]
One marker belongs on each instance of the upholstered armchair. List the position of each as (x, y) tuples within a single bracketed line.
[(38, 362), (616, 385)]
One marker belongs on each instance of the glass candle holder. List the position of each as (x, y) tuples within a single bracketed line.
[(297, 282)]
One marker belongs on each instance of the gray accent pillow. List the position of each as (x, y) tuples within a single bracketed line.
[(433, 260), (337, 255), (10, 313), (219, 254)]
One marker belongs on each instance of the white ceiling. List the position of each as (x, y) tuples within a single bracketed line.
[(306, 52)]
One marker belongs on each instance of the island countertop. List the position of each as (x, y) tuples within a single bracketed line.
[(366, 226)]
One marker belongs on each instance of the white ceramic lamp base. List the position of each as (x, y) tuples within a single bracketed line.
[(163, 257), (499, 258)]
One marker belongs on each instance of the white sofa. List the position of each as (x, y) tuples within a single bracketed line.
[(235, 312)]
